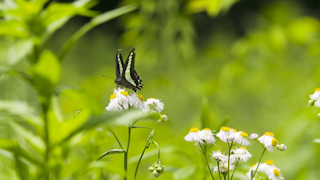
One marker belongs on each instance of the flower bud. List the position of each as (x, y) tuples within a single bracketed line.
[(159, 122), (319, 115), (164, 117), (254, 136), (159, 169), (231, 138), (281, 147), (151, 168), (156, 173), (311, 102)]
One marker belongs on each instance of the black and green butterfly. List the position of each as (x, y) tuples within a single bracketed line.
[(126, 75)]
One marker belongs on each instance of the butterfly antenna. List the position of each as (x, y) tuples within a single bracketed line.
[(107, 77)]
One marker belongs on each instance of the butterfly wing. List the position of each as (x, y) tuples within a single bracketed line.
[(129, 74), (119, 65)]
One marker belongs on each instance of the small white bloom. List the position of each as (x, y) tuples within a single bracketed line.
[(153, 105), (207, 136), (219, 156), (241, 154), (223, 134), (252, 169), (317, 103), (311, 102), (223, 167), (271, 170), (315, 95), (268, 141), (316, 140), (136, 101), (254, 136), (242, 138), (118, 101), (193, 135)]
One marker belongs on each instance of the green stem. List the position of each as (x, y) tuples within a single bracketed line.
[(158, 151), (136, 172), (115, 137), (229, 151), (264, 149), (234, 170), (219, 169), (204, 150), (126, 154)]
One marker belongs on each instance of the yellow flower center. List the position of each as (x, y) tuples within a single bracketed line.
[(269, 162), (233, 130), (244, 134), (151, 98), (244, 148), (268, 133), (317, 89), (207, 129), (113, 96), (274, 142), (253, 165), (124, 93), (194, 129), (140, 96), (276, 172), (225, 128)]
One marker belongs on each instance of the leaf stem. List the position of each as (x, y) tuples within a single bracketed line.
[(109, 129), (234, 170), (204, 150), (126, 154)]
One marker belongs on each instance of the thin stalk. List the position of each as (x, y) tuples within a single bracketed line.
[(136, 171), (229, 151), (204, 150), (264, 149), (115, 137), (219, 169), (158, 151), (234, 170), (126, 154), (224, 176)]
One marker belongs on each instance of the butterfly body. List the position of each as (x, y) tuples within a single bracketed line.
[(126, 75)]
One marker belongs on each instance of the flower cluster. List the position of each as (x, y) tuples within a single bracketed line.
[(236, 155), (156, 168), (122, 100), (315, 99), (200, 137), (268, 169)]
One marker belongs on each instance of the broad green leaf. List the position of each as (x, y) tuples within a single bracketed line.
[(102, 18), (113, 151), (19, 51), (13, 28), (22, 109), (46, 74)]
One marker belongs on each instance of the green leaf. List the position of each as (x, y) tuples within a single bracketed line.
[(113, 151), (20, 50), (102, 18), (46, 74)]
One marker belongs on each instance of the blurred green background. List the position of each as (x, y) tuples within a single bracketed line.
[(248, 64)]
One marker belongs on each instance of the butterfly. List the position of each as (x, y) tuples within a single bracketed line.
[(126, 75)]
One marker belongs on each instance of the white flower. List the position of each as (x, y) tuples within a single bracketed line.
[(242, 138), (153, 105), (317, 103), (271, 170), (118, 100), (207, 136), (193, 135), (252, 169), (223, 167), (254, 136), (241, 154), (219, 156), (136, 101), (315, 95), (268, 141), (223, 134)]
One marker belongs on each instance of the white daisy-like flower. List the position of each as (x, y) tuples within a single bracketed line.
[(268, 141), (316, 95), (223, 134), (252, 169), (136, 101), (153, 105), (271, 170), (232, 134), (193, 135), (219, 156), (242, 138), (223, 167), (118, 101), (241, 154), (207, 136)]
